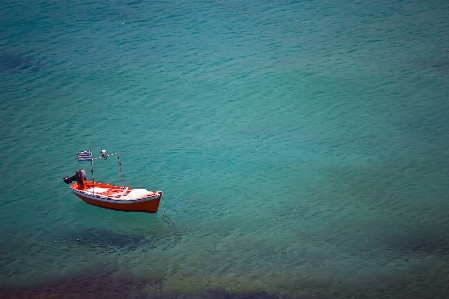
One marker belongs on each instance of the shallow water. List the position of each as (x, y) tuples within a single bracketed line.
[(301, 148)]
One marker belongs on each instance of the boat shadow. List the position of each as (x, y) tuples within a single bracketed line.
[(99, 238), (103, 238)]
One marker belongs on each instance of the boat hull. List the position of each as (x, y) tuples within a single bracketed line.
[(149, 203)]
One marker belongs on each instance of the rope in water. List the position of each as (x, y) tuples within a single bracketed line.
[(163, 205), (164, 215)]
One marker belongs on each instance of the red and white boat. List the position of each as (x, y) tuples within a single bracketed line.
[(109, 196)]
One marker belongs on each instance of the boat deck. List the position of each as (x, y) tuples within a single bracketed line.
[(113, 192), (121, 194)]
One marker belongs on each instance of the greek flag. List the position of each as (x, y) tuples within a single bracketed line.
[(84, 155)]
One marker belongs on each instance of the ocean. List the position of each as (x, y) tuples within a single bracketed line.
[(302, 148)]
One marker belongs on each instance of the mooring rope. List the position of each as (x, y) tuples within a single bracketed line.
[(163, 204), (164, 215)]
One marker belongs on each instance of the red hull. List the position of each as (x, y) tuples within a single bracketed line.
[(148, 203)]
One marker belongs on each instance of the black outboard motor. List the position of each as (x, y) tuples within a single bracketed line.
[(80, 177)]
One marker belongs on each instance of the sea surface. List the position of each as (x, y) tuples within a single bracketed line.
[(302, 148)]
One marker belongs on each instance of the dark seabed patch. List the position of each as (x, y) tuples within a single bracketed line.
[(419, 241), (217, 293), (110, 285), (107, 285), (10, 61), (439, 64), (99, 285)]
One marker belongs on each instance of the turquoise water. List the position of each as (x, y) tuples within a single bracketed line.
[(302, 148)]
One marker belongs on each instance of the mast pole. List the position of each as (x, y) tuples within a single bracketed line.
[(120, 165), (92, 171), (105, 156)]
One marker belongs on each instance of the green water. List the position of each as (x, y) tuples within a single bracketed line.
[(301, 148)]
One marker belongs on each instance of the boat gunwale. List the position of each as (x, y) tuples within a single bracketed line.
[(104, 198)]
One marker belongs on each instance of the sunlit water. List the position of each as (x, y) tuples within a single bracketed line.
[(302, 148)]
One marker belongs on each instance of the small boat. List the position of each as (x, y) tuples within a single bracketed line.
[(109, 196)]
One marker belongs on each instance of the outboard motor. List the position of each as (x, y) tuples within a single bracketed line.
[(80, 177)]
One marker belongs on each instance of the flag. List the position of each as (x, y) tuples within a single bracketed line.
[(84, 155)]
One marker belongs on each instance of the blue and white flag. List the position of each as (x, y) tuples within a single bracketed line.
[(84, 155)]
